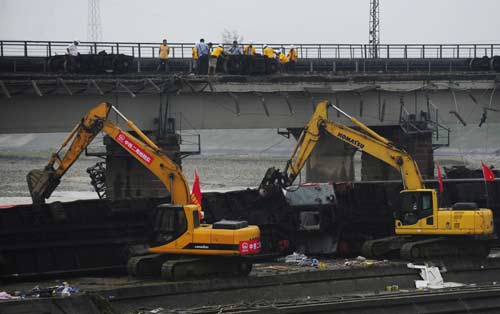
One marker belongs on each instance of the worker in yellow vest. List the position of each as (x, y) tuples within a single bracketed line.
[(249, 50), (292, 57), (194, 53), (268, 52), (164, 52), (218, 51), (282, 59)]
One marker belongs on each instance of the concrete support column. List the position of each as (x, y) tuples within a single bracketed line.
[(128, 178), (418, 145), (331, 160)]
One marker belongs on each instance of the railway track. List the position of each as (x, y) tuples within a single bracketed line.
[(478, 299)]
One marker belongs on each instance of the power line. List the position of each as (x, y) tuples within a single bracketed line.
[(374, 32), (94, 27)]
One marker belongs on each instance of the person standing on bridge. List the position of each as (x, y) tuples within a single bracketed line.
[(194, 53), (268, 51), (73, 55), (283, 60), (203, 52), (163, 52), (249, 49), (235, 49), (292, 58)]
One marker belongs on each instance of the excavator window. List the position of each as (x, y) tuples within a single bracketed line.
[(171, 223), (415, 206)]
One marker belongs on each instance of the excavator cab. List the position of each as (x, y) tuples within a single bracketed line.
[(420, 214), (417, 208)]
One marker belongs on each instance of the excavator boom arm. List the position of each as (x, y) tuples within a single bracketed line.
[(368, 141), (42, 183)]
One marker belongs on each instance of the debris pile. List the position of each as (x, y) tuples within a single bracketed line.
[(59, 290)]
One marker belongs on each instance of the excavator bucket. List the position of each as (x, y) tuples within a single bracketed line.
[(41, 184), (272, 179)]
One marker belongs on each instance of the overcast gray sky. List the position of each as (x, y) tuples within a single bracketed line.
[(291, 21)]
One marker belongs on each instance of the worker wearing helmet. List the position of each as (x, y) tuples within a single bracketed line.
[(268, 52), (214, 58), (292, 57), (72, 56), (282, 59), (218, 51), (249, 50)]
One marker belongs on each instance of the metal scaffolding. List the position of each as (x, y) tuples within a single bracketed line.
[(374, 32), (94, 27)]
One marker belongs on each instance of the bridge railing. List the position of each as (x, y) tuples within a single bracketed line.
[(16, 48)]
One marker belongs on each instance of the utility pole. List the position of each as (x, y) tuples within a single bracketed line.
[(374, 33), (94, 28)]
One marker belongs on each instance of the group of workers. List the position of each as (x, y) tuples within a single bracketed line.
[(205, 56)]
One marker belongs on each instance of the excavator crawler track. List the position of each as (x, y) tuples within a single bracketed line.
[(384, 247), (172, 268), (416, 248), (444, 248)]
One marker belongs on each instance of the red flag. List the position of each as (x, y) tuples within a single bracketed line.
[(196, 191), (440, 179), (487, 173)]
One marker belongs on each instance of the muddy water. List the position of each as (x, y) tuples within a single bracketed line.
[(217, 173)]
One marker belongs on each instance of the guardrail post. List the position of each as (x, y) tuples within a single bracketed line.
[(406, 52), (364, 49), (458, 51), (152, 52), (139, 57), (173, 52), (50, 49), (117, 48), (319, 51), (388, 55), (475, 46), (491, 50), (25, 48), (423, 51), (95, 47), (1, 48), (182, 52), (440, 51)]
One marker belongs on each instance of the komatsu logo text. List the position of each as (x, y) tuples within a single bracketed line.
[(353, 142)]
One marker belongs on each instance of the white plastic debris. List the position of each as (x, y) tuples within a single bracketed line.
[(432, 278), (300, 260)]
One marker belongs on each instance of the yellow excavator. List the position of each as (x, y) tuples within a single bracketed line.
[(182, 246), (423, 230)]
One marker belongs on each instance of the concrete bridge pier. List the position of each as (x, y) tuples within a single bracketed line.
[(418, 145), (128, 178)]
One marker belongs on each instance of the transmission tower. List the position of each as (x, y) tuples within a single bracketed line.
[(94, 29), (374, 40)]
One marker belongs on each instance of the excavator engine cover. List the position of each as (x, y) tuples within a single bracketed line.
[(41, 184), (230, 224)]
